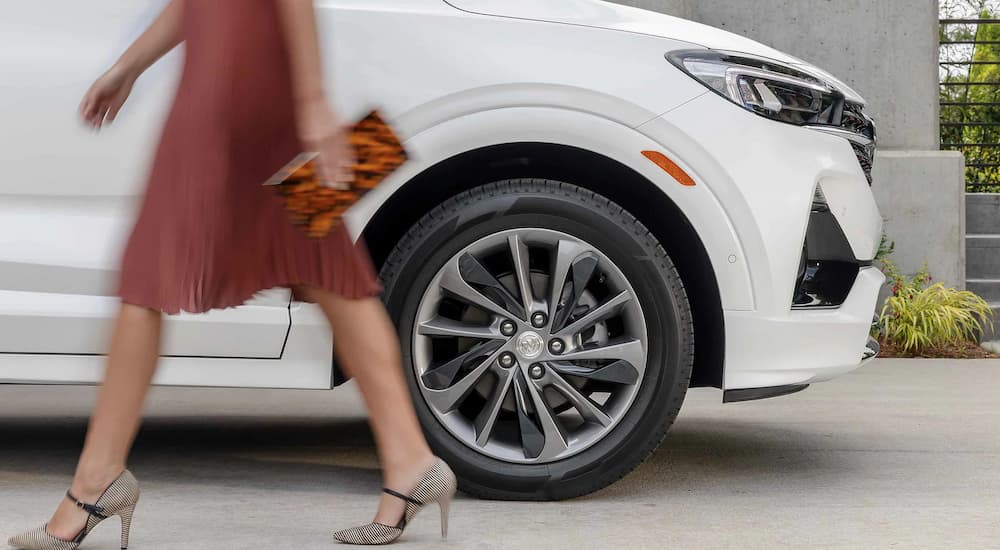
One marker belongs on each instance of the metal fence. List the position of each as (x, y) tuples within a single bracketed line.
[(970, 97)]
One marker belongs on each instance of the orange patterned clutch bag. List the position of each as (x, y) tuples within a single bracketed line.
[(318, 207)]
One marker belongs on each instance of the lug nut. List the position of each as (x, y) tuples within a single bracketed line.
[(557, 346), (508, 328), (539, 319), (507, 360), (537, 371)]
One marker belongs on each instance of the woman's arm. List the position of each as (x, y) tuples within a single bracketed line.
[(298, 19), (318, 126), (105, 97), (161, 37)]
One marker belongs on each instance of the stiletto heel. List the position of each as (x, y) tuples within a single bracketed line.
[(444, 505), (437, 485), (119, 499), (126, 516)]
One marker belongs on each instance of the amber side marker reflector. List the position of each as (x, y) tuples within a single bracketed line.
[(670, 167)]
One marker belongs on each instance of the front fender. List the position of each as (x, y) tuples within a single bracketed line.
[(610, 138)]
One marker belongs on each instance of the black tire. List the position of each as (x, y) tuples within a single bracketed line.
[(587, 215)]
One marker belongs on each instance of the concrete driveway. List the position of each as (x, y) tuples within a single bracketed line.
[(902, 454)]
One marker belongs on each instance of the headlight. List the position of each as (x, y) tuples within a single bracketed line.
[(771, 89)]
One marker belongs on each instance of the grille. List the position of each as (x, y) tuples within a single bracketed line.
[(866, 158), (856, 121)]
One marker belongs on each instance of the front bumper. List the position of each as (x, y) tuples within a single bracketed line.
[(768, 176), (802, 347)]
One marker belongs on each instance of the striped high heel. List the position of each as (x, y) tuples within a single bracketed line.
[(119, 499), (437, 485)]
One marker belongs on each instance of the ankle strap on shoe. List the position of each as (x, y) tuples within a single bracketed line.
[(92, 509), (402, 496)]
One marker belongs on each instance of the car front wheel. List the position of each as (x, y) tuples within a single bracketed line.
[(546, 336)]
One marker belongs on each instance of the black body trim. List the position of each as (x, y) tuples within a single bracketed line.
[(753, 394), (337, 375)]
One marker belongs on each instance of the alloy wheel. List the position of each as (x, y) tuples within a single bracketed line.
[(530, 345)]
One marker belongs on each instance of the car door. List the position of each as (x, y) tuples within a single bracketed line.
[(68, 196)]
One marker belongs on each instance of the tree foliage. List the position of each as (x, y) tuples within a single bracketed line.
[(957, 9), (963, 100)]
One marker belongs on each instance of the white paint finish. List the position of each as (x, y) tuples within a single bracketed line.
[(40, 322), (605, 15), (310, 343), (800, 347), (305, 363), (853, 205), (766, 184), (58, 272), (50, 53), (62, 244), (453, 61), (172, 371), (255, 330)]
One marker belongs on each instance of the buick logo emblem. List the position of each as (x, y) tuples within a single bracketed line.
[(529, 345)]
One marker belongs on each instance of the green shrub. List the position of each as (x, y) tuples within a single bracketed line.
[(885, 248), (923, 315)]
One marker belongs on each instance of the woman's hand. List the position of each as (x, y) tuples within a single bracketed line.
[(106, 96), (321, 132)]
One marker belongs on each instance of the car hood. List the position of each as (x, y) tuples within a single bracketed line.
[(594, 13)]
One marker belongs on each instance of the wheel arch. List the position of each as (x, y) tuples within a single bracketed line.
[(589, 170)]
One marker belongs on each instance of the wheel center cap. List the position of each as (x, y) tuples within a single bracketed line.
[(530, 345)]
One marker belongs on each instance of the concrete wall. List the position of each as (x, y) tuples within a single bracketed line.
[(922, 197), (888, 51)]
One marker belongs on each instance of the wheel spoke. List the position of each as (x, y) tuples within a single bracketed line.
[(629, 350), (555, 435), (581, 271), (444, 327), (589, 410), (596, 315), (619, 372), (532, 439), (487, 417), (566, 252), (441, 376), (475, 273), (522, 268), (446, 397), (453, 283)]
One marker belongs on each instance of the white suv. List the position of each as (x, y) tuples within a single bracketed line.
[(606, 206)]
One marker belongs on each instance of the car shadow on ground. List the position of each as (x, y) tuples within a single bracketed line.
[(307, 454), (712, 454), (297, 454)]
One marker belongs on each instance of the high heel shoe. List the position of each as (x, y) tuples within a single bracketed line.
[(119, 499), (437, 485)]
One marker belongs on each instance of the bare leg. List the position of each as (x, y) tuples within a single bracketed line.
[(135, 348), (368, 348)]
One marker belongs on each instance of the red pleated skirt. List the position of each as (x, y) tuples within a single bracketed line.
[(209, 235)]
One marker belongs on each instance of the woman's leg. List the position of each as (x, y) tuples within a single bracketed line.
[(135, 348), (368, 348)]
